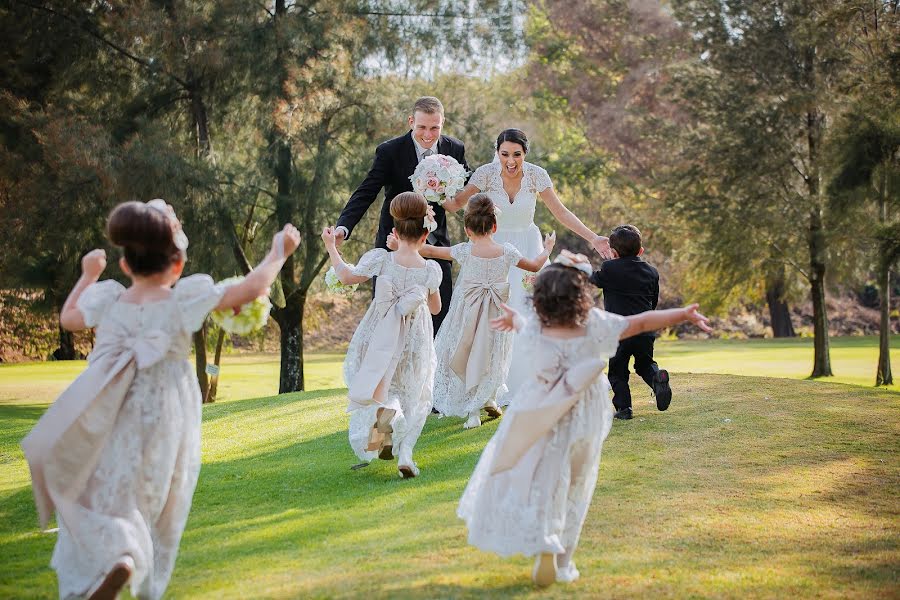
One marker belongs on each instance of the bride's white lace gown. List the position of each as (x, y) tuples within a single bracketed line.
[(539, 505), (412, 379), (480, 280), (136, 498), (515, 226)]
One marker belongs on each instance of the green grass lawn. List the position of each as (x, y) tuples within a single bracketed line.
[(747, 486)]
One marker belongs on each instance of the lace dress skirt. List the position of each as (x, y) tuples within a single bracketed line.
[(137, 500)]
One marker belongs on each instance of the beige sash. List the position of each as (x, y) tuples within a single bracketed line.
[(371, 382), (538, 409), (64, 446), (472, 358)]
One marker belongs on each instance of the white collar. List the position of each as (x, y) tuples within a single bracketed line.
[(420, 149)]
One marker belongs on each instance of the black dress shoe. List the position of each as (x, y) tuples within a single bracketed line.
[(623, 414), (661, 389)]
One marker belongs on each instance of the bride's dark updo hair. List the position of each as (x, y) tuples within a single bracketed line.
[(516, 136), (480, 217), (145, 236), (408, 210)]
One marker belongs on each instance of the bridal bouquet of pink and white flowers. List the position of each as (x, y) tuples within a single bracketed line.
[(439, 178)]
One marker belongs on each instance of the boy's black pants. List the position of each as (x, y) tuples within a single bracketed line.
[(641, 348)]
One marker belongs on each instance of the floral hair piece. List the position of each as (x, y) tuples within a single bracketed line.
[(178, 235), (429, 223), (574, 261)]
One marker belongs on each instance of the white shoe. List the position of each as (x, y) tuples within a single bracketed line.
[(544, 572), (568, 573), (473, 421), (406, 465), (493, 410)]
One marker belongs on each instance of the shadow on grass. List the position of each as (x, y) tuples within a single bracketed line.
[(227, 408), (746, 486)]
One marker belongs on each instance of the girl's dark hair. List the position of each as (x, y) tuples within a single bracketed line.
[(562, 296), (516, 136), (408, 210), (145, 236), (480, 217)]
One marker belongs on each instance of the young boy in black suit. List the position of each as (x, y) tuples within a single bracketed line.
[(630, 286)]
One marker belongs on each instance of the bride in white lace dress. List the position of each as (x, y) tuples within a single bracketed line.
[(515, 187)]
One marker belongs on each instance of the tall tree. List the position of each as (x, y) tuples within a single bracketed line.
[(866, 144)]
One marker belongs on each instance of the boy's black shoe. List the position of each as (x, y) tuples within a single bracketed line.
[(623, 414), (661, 389)]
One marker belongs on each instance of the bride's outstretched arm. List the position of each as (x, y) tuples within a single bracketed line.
[(574, 224), (461, 198)]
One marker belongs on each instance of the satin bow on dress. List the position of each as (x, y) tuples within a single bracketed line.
[(370, 384), (472, 357), (63, 447), (536, 413)]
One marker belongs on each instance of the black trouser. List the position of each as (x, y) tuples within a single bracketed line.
[(446, 294), (641, 348)]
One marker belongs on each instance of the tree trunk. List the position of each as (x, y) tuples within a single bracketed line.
[(66, 349), (883, 376), (779, 313), (822, 353), (214, 380), (200, 360), (290, 321), (816, 235)]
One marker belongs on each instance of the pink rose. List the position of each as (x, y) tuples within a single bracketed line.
[(444, 160), (433, 183)]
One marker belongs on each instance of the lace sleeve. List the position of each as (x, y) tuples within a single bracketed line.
[(605, 329), (461, 252), (541, 179), (435, 276), (196, 296), (480, 177), (511, 254), (370, 263), (96, 299)]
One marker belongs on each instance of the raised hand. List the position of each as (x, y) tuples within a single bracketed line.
[(601, 245), (338, 236), (93, 263), (286, 241), (329, 236), (392, 242), (549, 241), (506, 321), (691, 314)]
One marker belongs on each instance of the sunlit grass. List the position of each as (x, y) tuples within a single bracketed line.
[(745, 487)]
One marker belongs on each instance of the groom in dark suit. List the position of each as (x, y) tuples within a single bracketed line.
[(395, 161)]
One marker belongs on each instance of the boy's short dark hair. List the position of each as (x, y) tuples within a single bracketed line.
[(625, 240)]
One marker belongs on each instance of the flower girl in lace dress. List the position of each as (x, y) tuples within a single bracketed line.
[(472, 359), (533, 484), (389, 367), (118, 454)]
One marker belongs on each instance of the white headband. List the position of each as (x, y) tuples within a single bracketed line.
[(575, 261), (178, 236)]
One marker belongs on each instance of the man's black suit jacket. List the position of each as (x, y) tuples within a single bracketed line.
[(630, 286), (395, 161)]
